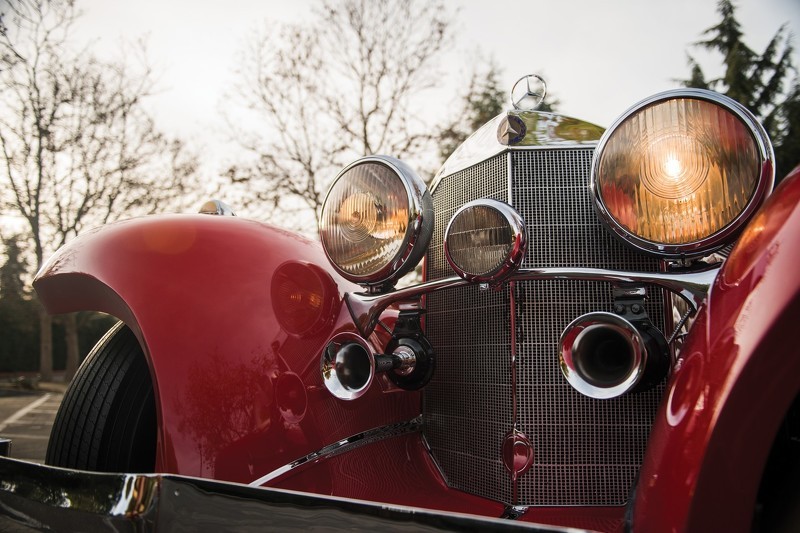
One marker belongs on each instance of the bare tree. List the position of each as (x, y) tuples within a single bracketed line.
[(78, 148), (341, 86)]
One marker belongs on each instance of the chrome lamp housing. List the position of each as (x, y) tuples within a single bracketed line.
[(485, 241), (376, 221), (682, 172)]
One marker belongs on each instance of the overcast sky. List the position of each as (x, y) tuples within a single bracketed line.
[(598, 56)]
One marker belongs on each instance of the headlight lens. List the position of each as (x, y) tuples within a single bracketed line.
[(681, 172), (376, 220), (485, 241)]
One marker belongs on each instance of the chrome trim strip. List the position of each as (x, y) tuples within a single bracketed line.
[(345, 445), (510, 164), (509, 462), (692, 287), (432, 456), (722, 237)]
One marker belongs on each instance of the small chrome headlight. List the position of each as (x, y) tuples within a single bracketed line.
[(682, 172), (376, 221), (485, 241)]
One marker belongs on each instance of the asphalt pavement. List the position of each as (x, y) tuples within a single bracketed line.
[(26, 418)]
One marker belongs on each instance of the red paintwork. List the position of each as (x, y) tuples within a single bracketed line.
[(239, 391), (738, 374), (237, 395)]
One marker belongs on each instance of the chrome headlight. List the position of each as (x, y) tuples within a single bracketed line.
[(377, 221), (681, 172), (485, 241)]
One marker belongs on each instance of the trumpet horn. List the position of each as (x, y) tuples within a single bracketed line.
[(348, 365), (603, 355)]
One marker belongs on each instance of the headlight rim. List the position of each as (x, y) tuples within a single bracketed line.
[(419, 229), (720, 238), (513, 259)]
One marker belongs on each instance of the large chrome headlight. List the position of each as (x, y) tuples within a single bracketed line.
[(682, 172), (377, 221)]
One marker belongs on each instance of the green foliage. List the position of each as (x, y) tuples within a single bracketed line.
[(19, 322), (787, 153), (19, 344), (756, 80), (13, 271)]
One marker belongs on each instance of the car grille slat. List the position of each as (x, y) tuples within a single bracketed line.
[(586, 452)]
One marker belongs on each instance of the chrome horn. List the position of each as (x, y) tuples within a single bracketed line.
[(348, 365), (603, 355)]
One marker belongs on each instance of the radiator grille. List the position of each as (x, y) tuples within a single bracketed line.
[(587, 452)]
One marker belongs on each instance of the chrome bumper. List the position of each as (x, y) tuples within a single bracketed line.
[(43, 498)]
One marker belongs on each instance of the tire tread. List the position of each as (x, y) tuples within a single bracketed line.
[(106, 421)]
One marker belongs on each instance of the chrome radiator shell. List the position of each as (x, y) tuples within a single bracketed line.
[(586, 452)]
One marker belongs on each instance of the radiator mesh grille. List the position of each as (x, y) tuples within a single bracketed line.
[(587, 452)]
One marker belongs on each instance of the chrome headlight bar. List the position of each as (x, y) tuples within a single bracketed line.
[(692, 287)]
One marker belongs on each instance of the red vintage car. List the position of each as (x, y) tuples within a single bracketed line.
[(602, 340)]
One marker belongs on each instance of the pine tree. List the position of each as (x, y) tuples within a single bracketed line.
[(18, 349), (787, 153), (758, 81), (12, 286)]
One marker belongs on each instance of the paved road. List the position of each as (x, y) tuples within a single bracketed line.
[(26, 419)]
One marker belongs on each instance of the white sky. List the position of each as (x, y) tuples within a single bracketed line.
[(598, 56)]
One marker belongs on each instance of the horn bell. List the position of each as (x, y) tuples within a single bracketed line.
[(603, 355), (347, 366)]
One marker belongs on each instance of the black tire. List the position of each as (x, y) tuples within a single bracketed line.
[(778, 501), (107, 420)]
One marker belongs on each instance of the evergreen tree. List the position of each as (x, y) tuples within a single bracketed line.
[(758, 81), (12, 272), (787, 153), (18, 348)]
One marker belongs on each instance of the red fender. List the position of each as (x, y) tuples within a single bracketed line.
[(738, 374), (232, 316)]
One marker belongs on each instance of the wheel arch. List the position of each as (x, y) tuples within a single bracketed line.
[(195, 290), (778, 497), (736, 379)]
